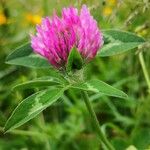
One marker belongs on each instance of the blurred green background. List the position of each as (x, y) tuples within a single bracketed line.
[(66, 125)]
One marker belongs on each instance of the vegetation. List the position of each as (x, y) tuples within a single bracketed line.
[(66, 124)]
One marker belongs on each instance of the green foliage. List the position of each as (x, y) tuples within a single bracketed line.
[(24, 56), (66, 124), (141, 138), (39, 82), (100, 87), (32, 106), (117, 42)]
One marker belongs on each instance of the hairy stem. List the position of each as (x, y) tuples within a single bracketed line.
[(102, 137)]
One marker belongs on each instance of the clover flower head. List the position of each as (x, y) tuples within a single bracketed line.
[(55, 37)]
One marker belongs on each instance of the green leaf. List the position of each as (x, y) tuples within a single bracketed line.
[(74, 60), (32, 106), (121, 143), (117, 42), (24, 56), (102, 87), (39, 82), (141, 138)]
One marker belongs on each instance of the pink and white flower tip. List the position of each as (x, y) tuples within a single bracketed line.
[(55, 37)]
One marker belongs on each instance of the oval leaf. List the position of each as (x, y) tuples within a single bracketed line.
[(117, 42), (32, 106), (24, 56), (102, 87), (37, 83)]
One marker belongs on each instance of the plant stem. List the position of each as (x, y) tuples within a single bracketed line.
[(142, 62), (95, 122), (41, 123)]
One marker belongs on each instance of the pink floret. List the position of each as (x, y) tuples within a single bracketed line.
[(56, 36)]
